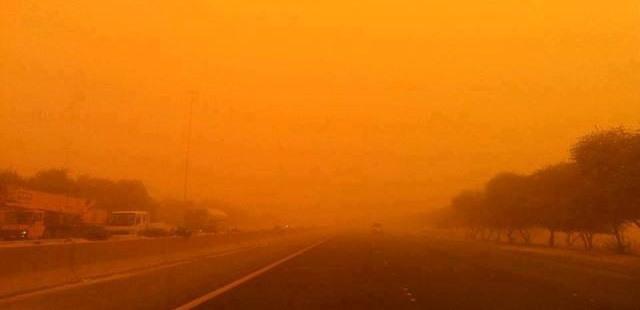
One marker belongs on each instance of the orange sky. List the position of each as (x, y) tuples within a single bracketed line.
[(312, 104)]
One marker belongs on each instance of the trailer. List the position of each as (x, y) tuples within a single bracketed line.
[(30, 214)]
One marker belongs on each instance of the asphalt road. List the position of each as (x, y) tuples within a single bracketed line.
[(413, 272), (361, 271), (164, 287)]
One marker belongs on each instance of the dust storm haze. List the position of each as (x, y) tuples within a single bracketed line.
[(311, 107)]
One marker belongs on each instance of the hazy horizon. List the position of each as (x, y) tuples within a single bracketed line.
[(312, 106)]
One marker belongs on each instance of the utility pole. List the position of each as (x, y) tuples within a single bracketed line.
[(187, 155)]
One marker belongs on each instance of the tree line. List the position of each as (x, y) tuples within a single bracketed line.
[(596, 192), (107, 194), (115, 195)]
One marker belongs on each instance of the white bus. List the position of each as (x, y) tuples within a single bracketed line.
[(128, 222)]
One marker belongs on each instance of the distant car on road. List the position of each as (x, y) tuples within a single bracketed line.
[(376, 229), (96, 232)]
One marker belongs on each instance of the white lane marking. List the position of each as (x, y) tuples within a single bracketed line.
[(127, 274), (217, 292)]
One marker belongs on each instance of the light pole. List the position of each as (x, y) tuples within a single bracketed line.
[(187, 155)]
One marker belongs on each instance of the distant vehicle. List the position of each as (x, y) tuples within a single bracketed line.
[(376, 229), (182, 231), (96, 232), (158, 230), (128, 222), (22, 224), (205, 220), (281, 228), (29, 214)]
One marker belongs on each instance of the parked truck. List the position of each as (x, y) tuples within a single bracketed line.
[(30, 214)]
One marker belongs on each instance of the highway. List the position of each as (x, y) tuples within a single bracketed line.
[(414, 272), (363, 271)]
